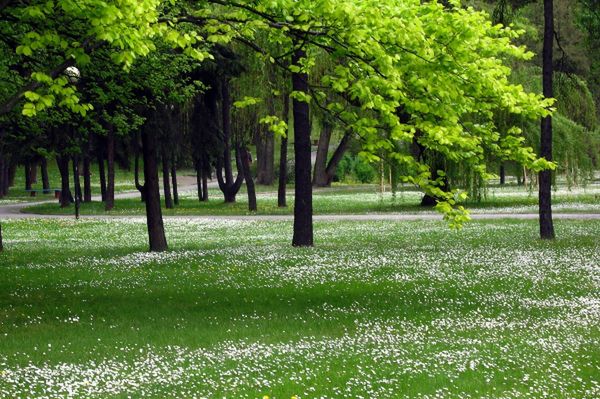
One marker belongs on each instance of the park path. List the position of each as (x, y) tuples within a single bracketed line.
[(13, 211)]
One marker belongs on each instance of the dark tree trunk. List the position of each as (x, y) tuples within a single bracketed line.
[(198, 167), (166, 182), (45, 178), (303, 211), (227, 184), (545, 183), (335, 160), (87, 180), (502, 174), (33, 170), (12, 172), (174, 182), (205, 174), (245, 156), (28, 176), (102, 173), (110, 157), (76, 186), (136, 172), (77, 180), (319, 176), (281, 190), (156, 229), (3, 182), (65, 191), (1, 243)]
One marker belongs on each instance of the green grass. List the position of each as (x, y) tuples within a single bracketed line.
[(344, 199), (232, 310)]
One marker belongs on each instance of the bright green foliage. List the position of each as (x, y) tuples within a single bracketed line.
[(405, 72)]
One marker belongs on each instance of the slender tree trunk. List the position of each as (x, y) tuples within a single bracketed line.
[(502, 174), (102, 175), (110, 157), (76, 186), (205, 175), (319, 175), (248, 178), (156, 229), (199, 176), (166, 182), (1, 243), (28, 176), (12, 172), (2, 182), (335, 160), (76, 180), (87, 180), (136, 171), (545, 176), (174, 182), (283, 150), (33, 170), (65, 191), (45, 178), (303, 211)]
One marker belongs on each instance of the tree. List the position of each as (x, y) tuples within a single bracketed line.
[(545, 176)]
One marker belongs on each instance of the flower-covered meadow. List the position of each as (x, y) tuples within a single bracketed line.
[(376, 309)]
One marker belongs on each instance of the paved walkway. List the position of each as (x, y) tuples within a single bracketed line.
[(13, 211)]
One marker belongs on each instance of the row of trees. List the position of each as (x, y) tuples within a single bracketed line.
[(416, 84)]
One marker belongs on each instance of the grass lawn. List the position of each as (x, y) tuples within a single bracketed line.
[(347, 200), (377, 310)]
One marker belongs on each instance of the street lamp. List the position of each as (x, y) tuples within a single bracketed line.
[(73, 75)]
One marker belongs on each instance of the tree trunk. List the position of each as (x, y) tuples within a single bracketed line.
[(156, 230), (28, 176), (174, 182), (245, 156), (76, 186), (3, 182), (545, 176), (12, 172), (76, 180), (166, 182), (110, 157), (319, 176), (65, 191), (335, 160), (33, 171), (281, 190), (136, 170), (205, 174), (45, 178), (1, 243), (303, 211), (102, 173), (502, 174), (87, 180)]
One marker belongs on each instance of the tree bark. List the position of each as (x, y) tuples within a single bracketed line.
[(45, 178), (205, 174), (66, 197), (281, 190), (1, 243), (166, 182), (102, 173), (33, 171), (87, 180), (3, 181), (27, 166), (156, 230), (248, 178), (303, 211), (174, 183), (136, 172), (502, 174), (76, 180), (319, 176), (110, 157), (545, 176)]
